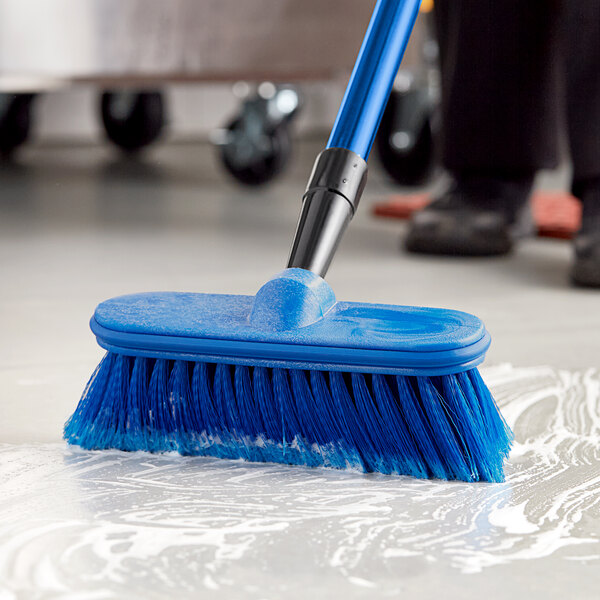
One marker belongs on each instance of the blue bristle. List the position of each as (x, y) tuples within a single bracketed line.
[(396, 428), (307, 415), (163, 425), (203, 397), (224, 398), (385, 461), (358, 435), (295, 448), (470, 429), (212, 434), (266, 406), (335, 424), (316, 427), (110, 423), (499, 433), (417, 423), (249, 422), (269, 408), (138, 425), (450, 445), (447, 427), (185, 412), (229, 430), (80, 427)]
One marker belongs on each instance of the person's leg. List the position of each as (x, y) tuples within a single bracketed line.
[(581, 23), (500, 75), (500, 70)]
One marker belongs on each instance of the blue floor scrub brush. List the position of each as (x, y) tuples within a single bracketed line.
[(291, 375)]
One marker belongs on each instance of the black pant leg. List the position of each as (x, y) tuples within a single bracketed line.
[(500, 62), (581, 22)]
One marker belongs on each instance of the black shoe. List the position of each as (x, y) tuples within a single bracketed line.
[(586, 268), (479, 215)]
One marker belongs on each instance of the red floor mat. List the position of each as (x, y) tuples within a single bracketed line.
[(557, 214)]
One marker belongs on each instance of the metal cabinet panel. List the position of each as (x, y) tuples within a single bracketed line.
[(179, 39)]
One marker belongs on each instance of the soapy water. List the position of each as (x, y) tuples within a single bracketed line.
[(77, 524)]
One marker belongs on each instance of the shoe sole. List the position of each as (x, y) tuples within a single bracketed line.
[(451, 242), (447, 238), (423, 244)]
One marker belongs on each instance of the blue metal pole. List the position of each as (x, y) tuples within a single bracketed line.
[(373, 75)]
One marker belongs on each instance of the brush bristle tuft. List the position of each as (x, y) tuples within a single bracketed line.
[(446, 427)]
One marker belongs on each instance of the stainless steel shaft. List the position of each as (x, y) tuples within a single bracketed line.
[(332, 195)]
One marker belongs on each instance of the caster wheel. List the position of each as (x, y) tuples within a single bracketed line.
[(252, 155), (15, 121), (132, 120), (405, 141)]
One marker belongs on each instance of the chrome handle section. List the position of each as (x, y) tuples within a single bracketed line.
[(331, 198)]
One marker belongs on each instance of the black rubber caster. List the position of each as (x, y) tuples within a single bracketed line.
[(132, 120), (255, 157), (405, 141), (256, 145), (15, 121)]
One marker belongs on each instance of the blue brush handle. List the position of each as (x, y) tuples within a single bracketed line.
[(340, 172), (373, 75)]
